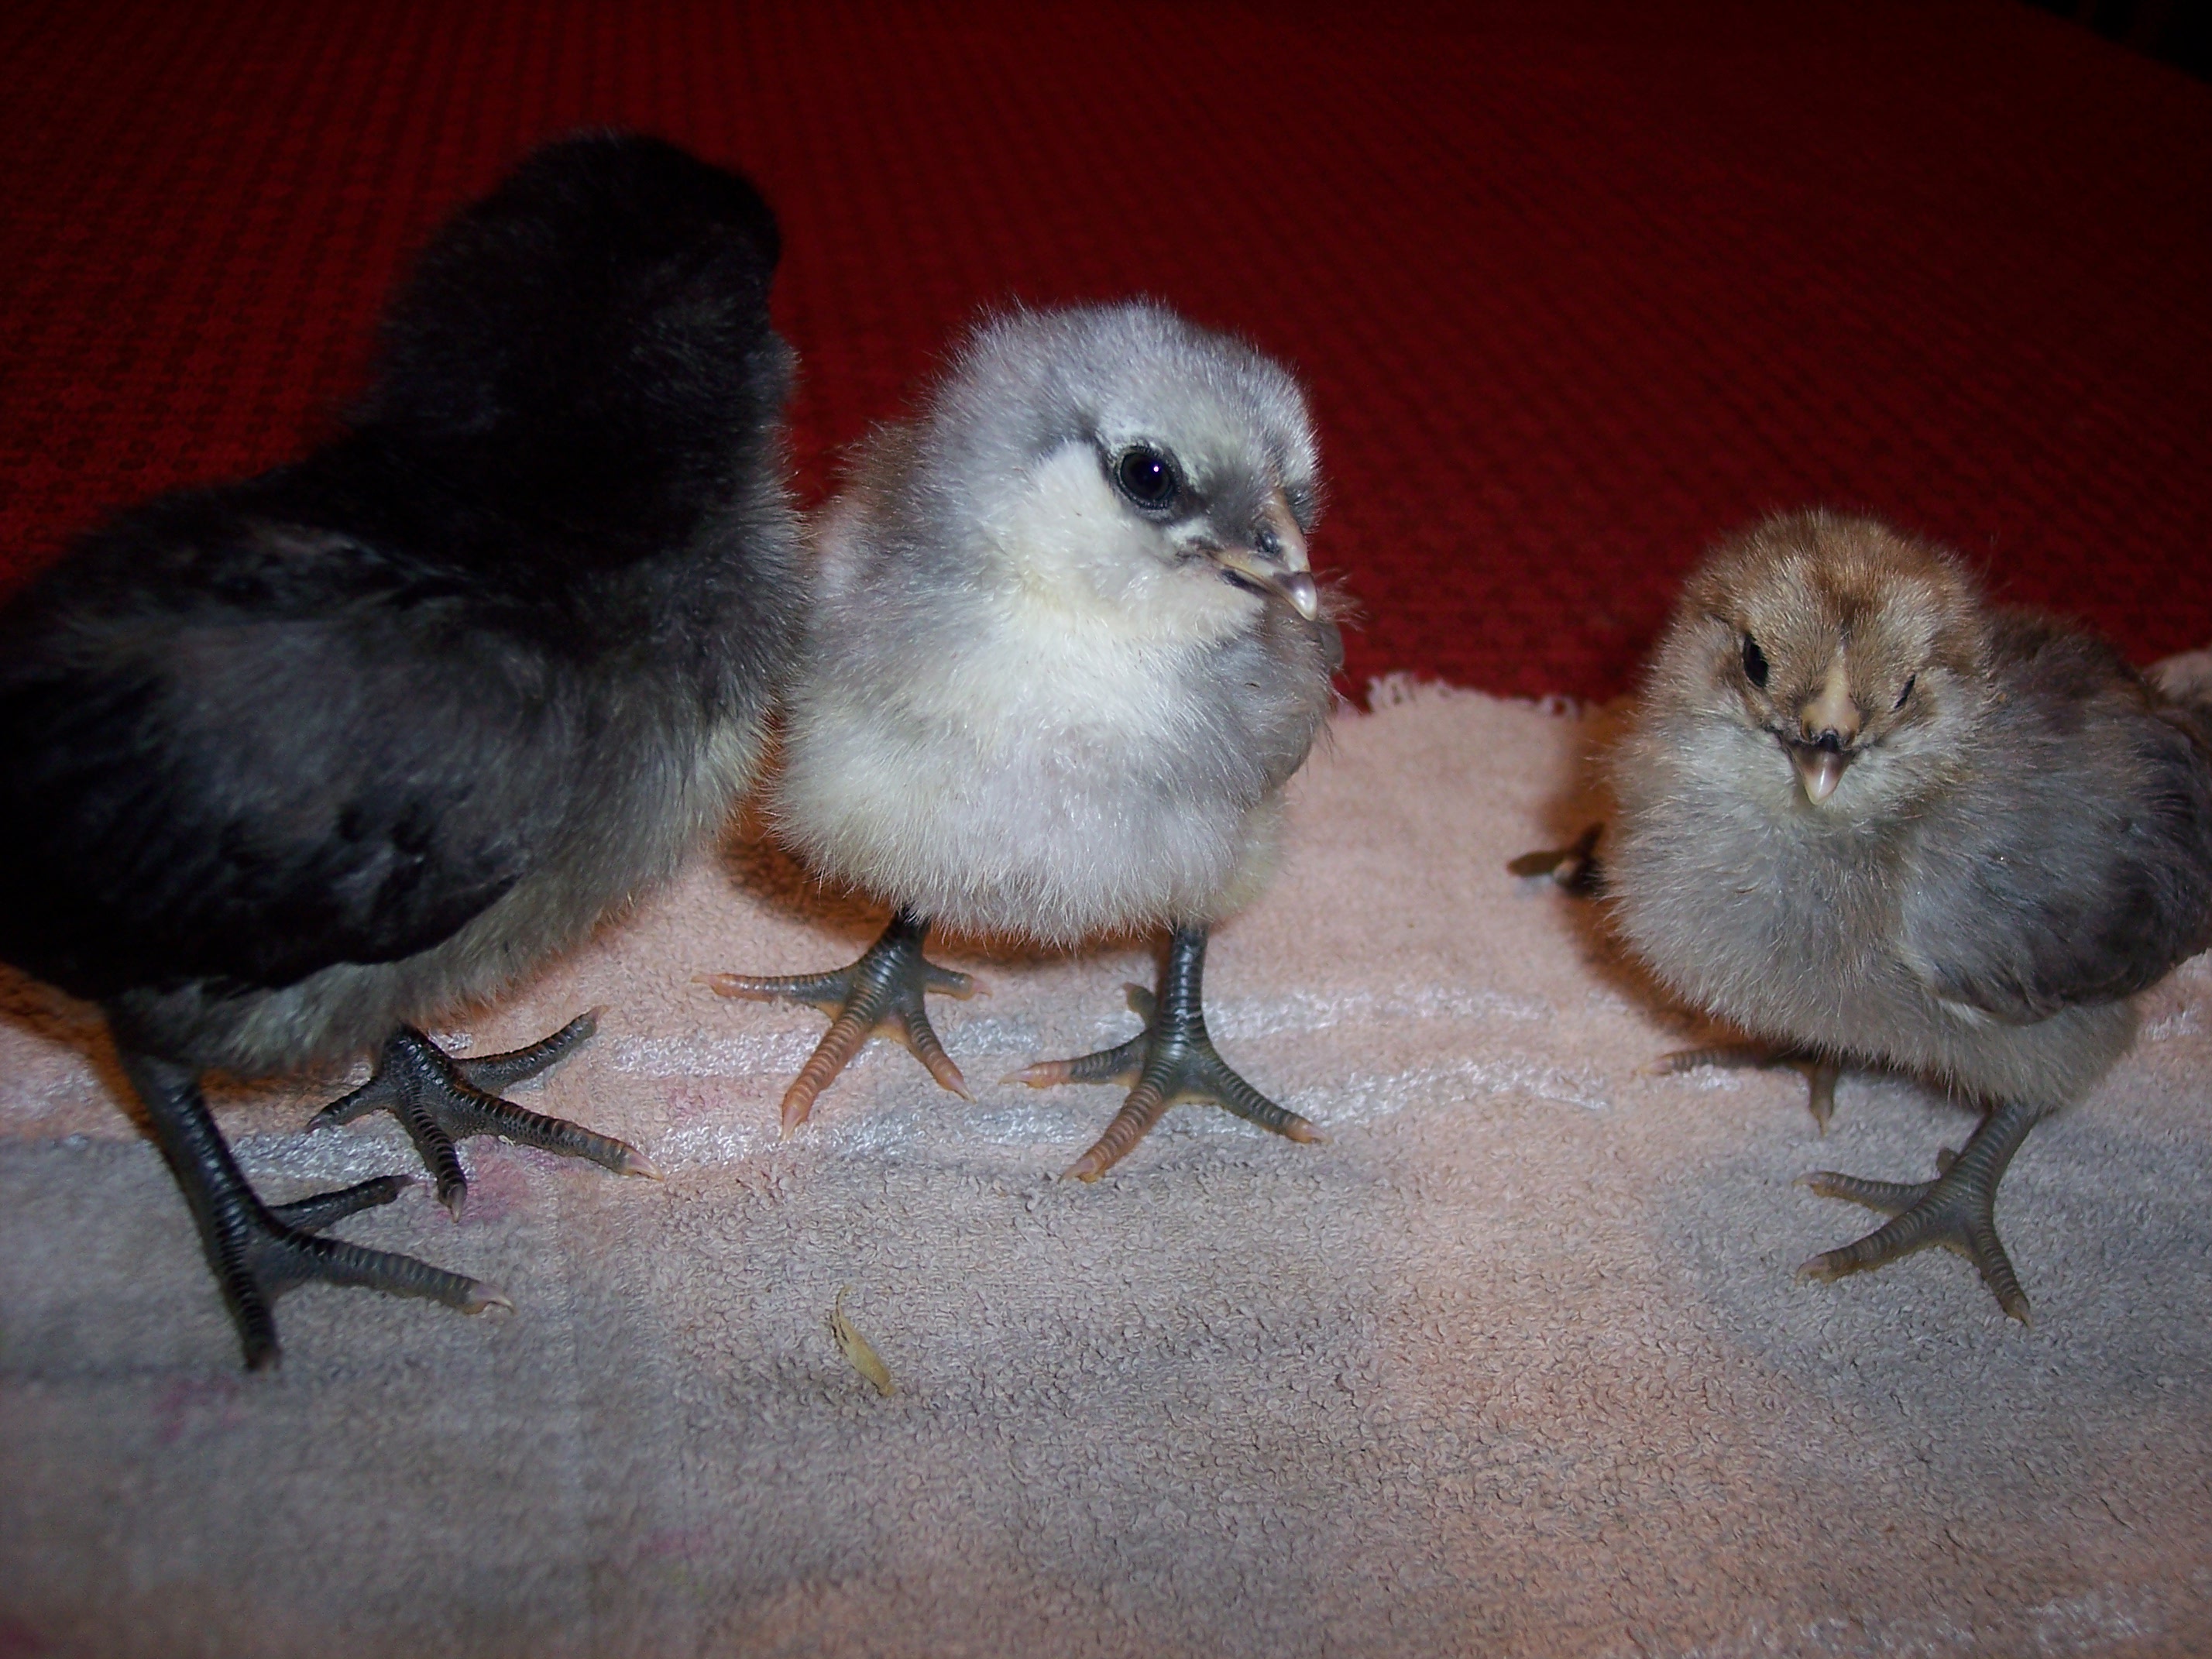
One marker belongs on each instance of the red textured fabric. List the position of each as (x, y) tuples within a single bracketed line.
[(1575, 287)]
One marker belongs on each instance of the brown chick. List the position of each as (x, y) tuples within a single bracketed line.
[(1867, 816)]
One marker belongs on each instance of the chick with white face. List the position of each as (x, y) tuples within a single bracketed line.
[(1065, 650)]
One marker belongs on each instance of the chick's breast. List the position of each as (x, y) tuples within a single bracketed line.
[(1009, 768)]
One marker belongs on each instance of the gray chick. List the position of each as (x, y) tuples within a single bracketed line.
[(1064, 653), (291, 766), (1869, 817)]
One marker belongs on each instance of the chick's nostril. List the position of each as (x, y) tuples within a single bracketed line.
[(1829, 740)]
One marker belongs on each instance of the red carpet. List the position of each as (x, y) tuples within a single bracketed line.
[(1575, 288)]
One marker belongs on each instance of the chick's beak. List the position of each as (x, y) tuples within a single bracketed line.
[(1817, 768), (1830, 722), (1275, 562)]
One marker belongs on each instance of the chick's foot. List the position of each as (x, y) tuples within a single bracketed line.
[(1574, 867), (883, 992), (1820, 1071), (439, 1100), (259, 1251), (1171, 1060), (1957, 1210)]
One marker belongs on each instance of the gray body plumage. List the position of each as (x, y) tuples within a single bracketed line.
[(1026, 706), (2019, 837)]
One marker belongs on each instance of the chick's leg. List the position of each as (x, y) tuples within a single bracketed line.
[(1820, 1071), (883, 991), (1172, 1060), (1958, 1210), (259, 1251), (439, 1100)]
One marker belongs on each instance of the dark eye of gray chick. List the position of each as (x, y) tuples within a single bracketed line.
[(291, 767), (1148, 477), (1065, 653), (1868, 817)]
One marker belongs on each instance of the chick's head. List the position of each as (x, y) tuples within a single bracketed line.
[(1127, 467), (1845, 662)]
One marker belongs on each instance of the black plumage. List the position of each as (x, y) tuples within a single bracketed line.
[(291, 765)]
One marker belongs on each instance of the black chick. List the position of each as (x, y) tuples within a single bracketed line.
[(289, 766)]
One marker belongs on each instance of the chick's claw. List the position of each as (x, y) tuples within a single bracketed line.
[(885, 991), (439, 1100), (1957, 1210)]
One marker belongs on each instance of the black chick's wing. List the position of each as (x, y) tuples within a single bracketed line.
[(250, 772)]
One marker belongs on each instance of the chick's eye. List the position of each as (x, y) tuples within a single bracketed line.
[(1911, 680), (1147, 477), (1754, 662)]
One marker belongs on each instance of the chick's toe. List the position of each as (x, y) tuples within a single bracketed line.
[(1820, 1071), (884, 992)]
